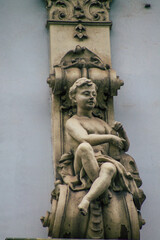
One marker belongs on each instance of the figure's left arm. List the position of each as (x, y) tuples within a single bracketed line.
[(118, 127)]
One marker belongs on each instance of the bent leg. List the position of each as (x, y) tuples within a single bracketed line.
[(84, 156), (99, 186)]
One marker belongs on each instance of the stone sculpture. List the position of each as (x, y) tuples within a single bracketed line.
[(89, 167), (97, 184), (87, 137)]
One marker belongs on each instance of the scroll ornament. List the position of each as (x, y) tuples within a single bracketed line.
[(82, 62), (85, 10)]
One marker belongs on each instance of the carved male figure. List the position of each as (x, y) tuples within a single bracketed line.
[(89, 138)]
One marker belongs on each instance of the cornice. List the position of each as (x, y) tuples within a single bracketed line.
[(57, 22)]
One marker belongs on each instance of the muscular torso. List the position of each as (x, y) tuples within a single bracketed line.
[(92, 126)]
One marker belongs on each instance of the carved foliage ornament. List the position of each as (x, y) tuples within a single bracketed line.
[(84, 10)]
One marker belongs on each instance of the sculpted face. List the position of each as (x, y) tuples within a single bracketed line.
[(85, 97)]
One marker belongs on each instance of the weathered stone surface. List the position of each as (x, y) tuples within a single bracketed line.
[(99, 184), (97, 191)]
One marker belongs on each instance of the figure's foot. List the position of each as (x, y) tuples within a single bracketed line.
[(83, 207)]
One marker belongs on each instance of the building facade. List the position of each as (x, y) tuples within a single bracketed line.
[(26, 178)]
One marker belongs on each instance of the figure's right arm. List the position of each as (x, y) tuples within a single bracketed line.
[(77, 132)]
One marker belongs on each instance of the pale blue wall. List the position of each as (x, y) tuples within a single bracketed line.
[(26, 178), (26, 174), (135, 42)]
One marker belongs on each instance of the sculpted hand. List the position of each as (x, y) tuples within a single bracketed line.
[(117, 141), (117, 126)]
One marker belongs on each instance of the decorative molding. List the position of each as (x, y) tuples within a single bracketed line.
[(86, 12), (80, 11), (82, 62), (48, 3), (93, 23), (80, 32)]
